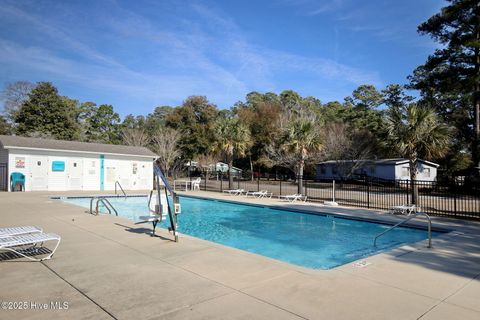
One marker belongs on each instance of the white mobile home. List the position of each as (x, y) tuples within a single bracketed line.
[(388, 169), (57, 165)]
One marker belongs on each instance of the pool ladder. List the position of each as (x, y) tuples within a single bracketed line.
[(105, 203), (117, 183), (410, 217)]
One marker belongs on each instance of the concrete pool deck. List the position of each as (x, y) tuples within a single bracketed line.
[(107, 267)]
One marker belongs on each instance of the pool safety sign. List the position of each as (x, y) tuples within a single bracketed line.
[(19, 162)]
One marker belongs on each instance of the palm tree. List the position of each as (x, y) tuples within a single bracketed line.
[(232, 138), (416, 131), (302, 139)]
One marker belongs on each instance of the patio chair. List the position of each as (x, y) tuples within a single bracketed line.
[(294, 197), (28, 244), (235, 192), (196, 184), (406, 209), (15, 231)]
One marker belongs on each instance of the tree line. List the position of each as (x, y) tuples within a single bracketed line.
[(286, 130)]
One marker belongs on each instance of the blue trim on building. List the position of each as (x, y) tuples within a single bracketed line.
[(102, 172)]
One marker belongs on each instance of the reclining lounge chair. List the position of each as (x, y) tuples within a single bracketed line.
[(234, 192), (406, 209), (259, 194), (27, 243), (294, 197), (15, 231)]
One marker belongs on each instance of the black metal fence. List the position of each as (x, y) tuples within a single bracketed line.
[(3, 177), (442, 199)]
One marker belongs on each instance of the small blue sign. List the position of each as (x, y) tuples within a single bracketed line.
[(58, 165)]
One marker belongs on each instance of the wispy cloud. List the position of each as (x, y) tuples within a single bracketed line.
[(163, 63), (314, 7)]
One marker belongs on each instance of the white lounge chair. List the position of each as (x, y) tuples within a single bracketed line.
[(28, 243), (14, 231), (235, 192), (294, 197), (259, 194), (407, 209)]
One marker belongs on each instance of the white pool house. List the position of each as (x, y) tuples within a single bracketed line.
[(57, 165)]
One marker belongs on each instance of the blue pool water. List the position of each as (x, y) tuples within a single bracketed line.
[(313, 241)]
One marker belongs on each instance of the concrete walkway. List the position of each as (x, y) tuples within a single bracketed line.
[(106, 267)]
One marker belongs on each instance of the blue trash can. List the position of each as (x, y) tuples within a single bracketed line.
[(17, 181)]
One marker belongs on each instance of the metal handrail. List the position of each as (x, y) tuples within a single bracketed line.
[(150, 199), (406, 220), (120, 186), (107, 204)]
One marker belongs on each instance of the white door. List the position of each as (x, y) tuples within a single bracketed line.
[(38, 179), (75, 174), (144, 175), (57, 176), (125, 174)]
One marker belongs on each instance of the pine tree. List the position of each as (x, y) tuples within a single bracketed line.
[(45, 113), (452, 73)]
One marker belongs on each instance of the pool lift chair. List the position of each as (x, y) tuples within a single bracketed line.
[(159, 206)]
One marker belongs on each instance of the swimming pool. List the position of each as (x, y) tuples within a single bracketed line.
[(308, 240)]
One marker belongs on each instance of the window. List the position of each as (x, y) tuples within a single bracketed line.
[(39, 163), (74, 164), (426, 172)]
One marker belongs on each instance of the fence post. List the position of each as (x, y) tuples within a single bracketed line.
[(454, 199), (333, 190), (258, 183), (221, 183), (280, 187), (305, 187), (368, 192), (238, 183), (205, 184), (408, 191)]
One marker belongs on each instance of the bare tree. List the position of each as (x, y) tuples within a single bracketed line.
[(135, 137), (14, 95), (206, 160), (348, 148), (165, 145)]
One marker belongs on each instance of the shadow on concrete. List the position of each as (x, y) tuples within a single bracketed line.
[(459, 255), (142, 230), (30, 252)]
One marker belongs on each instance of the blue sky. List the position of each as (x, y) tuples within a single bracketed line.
[(140, 54)]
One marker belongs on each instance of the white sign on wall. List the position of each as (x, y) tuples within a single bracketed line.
[(111, 174), (19, 162)]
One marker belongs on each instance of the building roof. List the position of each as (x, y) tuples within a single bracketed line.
[(16, 142), (396, 161)]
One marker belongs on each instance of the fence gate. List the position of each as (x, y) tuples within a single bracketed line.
[(3, 177)]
